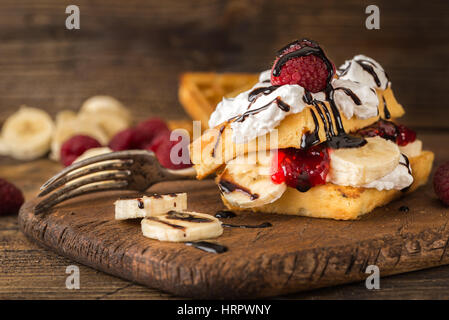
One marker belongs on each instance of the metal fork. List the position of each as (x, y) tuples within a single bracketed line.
[(123, 170)]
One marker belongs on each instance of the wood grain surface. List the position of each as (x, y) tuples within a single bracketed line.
[(135, 50)]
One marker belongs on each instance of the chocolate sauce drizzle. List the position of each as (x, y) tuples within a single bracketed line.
[(183, 216), (176, 226), (281, 104), (387, 113), (368, 67), (228, 187), (253, 95), (244, 226), (351, 94), (341, 139), (208, 246), (140, 203), (220, 133), (225, 214)]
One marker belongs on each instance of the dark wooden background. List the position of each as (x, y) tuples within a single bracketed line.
[(135, 51)]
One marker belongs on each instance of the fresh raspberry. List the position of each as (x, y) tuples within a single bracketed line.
[(11, 198), (160, 139), (128, 139), (151, 128), (76, 146), (302, 168), (162, 146), (441, 182), (310, 72)]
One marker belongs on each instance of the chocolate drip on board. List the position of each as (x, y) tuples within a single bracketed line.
[(208, 246), (245, 226), (225, 214)]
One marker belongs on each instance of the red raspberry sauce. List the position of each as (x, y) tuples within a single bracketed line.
[(301, 168), (397, 133)]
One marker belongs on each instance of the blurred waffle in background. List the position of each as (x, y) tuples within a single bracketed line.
[(200, 92)]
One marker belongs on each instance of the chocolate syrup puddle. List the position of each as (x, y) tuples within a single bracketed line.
[(244, 226), (182, 216), (228, 187), (225, 214), (386, 111), (351, 94), (208, 246), (214, 150)]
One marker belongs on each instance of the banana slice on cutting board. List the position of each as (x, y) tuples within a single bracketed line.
[(109, 114), (68, 124), (178, 226), (26, 135), (246, 181), (360, 166), (149, 206)]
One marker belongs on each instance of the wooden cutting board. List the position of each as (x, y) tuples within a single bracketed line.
[(296, 253)]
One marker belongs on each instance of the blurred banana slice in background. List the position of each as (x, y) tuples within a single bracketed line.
[(109, 114), (69, 125), (27, 134)]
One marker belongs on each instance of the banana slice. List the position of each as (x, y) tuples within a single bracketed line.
[(150, 206), (412, 149), (360, 166), (69, 125), (246, 181), (108, 113), (182, 226), (93, 153), (26, 135)]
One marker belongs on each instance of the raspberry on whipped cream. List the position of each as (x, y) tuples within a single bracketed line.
[(365, 70)]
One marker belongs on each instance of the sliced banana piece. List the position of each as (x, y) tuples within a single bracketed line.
[(68, 125), (109, 113), (26, 135), (246, 181), (401, 177), (150, 206), (359, 166), (178, 226), (412, 149), (93, 153)]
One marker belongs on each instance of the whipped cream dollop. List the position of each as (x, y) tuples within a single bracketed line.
[(400, 178), (353, 98), (263, 113), (365, 70)]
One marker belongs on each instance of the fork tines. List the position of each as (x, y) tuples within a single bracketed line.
[(105, 172)]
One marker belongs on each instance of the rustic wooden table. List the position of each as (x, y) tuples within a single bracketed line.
[(136, 52)]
